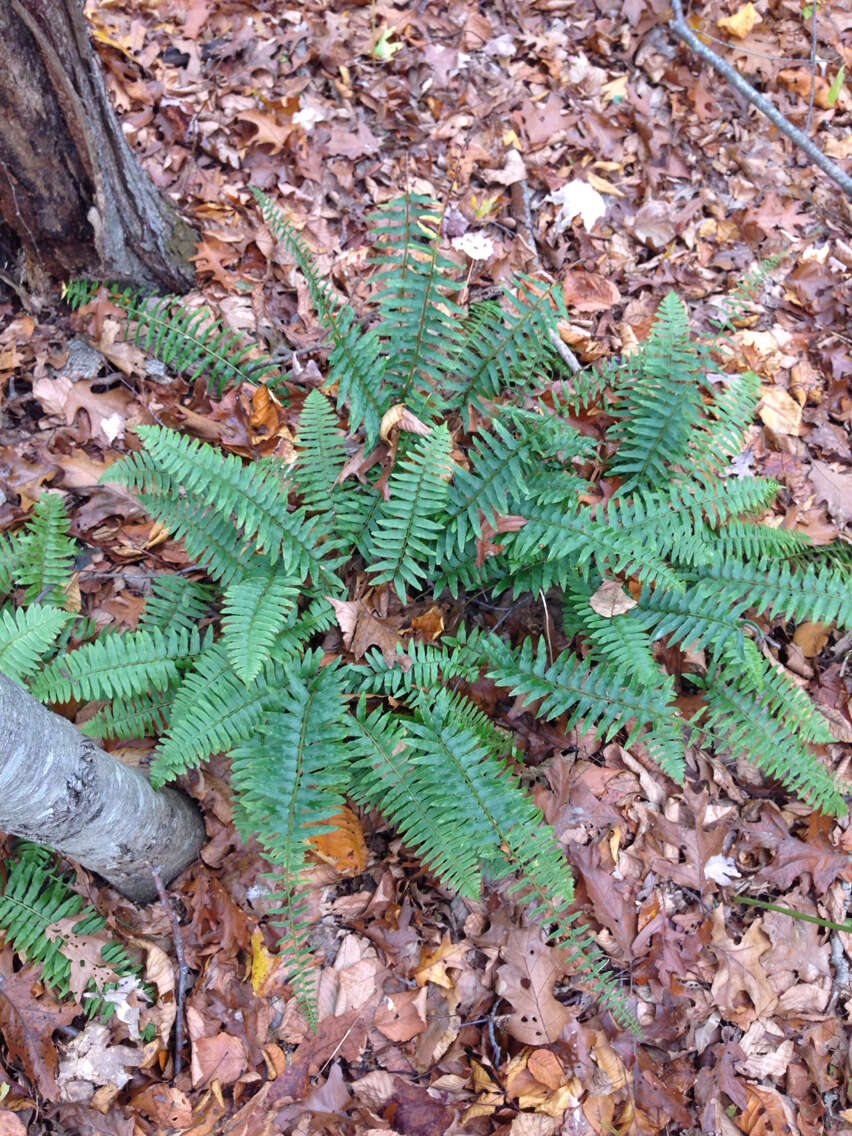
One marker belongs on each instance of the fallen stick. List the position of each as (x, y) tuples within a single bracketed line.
[(679, 26)]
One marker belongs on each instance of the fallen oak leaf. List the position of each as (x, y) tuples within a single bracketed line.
[(27, 1025)]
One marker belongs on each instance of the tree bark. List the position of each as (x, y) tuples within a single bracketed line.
[(71, 190), (58, 788)]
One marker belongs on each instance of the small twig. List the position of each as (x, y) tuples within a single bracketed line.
[(682, 31), (809, 119), (183, 970)]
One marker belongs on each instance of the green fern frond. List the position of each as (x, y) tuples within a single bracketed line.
[(142, 715), (213, 710), (290, 778), (176, 601), (254, 499), (420, 327), (27, 637), (355, 363), (598, 695), (192, 344), (657, 413), (738, 722), (119, 665), (34, 897), (256, 609), (620, 641), (503, 346), (407, 531), (821, 594), (49, 552), (577, 536)]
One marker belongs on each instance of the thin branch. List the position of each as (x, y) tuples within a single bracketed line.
[(682, 31), (183, 969), (810, 117)]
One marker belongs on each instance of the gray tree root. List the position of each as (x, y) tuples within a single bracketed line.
[(60, 789)]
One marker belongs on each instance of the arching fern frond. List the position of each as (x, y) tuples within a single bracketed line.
[(48, 552), (256, 609), (119, 665), (190, 343), (356, 366)]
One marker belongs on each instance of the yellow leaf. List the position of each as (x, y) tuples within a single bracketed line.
[(811, 637), (741, 23), (262, 963), (602, 185)]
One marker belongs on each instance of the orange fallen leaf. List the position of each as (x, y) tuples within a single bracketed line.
[(344, 848)]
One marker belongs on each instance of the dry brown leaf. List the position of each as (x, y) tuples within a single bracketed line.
[(546, 1067), (429, 625), (611, 599), (165, 1105), (811, 637), (653, 225), (741, 989), (27, 1024), (589, 291), (781, 413), (402, 1016), (84, 951), (10, 1124), (399, 415), (222, 1058), (362, 629), (433, 964), (834, 486), (526, 980)]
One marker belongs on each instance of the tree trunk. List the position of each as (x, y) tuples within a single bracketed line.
[(71, 191), (58, 788)]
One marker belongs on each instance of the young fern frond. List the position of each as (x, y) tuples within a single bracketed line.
[(192, 344), (27, 637), (420, 329), (407, 530)]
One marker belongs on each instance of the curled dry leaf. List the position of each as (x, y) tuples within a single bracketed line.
[(399, 415), (611, 599)]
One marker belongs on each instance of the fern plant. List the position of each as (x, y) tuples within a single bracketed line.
[(495, 493), (35, 895)]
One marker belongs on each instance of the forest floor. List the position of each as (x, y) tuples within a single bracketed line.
[(493, 109)]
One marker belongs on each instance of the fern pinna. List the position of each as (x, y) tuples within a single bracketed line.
[(491, 490)]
